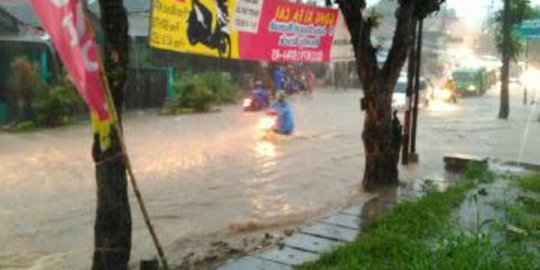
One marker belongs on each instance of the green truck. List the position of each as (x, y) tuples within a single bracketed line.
[(473, 81)]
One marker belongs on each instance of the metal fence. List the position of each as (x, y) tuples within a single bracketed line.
[(146, 88)]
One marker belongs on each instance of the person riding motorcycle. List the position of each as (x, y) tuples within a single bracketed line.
[(260, 96), (203, 29), (451, 86), (284, 113)]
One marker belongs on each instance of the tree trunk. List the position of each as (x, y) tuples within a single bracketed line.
[(381, 149), (381, 137), (112, 230), (504, 109)]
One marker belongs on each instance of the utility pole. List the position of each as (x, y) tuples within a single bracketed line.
[(414, 156), (408, 101), (525, 90), (504, 109)]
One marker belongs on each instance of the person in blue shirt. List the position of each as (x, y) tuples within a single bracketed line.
[(260, 95), (279, 78), (285, 116)]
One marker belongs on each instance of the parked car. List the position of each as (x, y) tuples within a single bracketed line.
[(399, 97)]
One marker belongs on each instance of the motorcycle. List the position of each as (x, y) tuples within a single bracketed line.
[(292, 86), (200, 28), (445, 95), (251, 104), (268, 124)]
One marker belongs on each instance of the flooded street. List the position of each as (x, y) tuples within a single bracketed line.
[(211, 175)]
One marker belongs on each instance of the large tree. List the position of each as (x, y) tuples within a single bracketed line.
[(509, 44), (381, 152), (112, 230)]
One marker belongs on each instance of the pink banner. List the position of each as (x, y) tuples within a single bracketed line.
[(290, 33), (263, 30), (66, 23)]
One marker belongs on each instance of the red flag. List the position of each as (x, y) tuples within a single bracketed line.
[(66, 23)]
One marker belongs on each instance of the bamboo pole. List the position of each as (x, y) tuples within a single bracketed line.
[(138, 195), (129, 168)]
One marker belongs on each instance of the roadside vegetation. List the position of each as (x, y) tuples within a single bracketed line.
[(59, 104), (424, 234), (42, 105), (200, 93)]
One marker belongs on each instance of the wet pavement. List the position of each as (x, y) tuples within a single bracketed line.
[(309, 243), (482, 206), (210, 176)]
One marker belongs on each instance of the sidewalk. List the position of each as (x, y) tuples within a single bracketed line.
[(309, 243)]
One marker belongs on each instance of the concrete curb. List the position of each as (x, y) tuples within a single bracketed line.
[(308, 244)]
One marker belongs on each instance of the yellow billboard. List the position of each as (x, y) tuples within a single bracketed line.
[(195, 26)]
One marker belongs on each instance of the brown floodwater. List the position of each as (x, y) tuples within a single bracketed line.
[(211, 176)]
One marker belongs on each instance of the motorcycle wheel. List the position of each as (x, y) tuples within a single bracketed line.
[(192, 29), (224, 49)]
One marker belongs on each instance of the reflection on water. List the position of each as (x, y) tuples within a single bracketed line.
[(265, 149), (440, 106), (266, 199), (209, 176)]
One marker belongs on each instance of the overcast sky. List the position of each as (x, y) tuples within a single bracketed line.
[(474, 11)]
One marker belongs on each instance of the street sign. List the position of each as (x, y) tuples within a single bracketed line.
[(530, 29)]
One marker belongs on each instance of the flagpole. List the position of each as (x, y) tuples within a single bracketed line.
[(123, 148)]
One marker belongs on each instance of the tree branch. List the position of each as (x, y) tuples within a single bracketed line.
[(401, 42), (360, 29)]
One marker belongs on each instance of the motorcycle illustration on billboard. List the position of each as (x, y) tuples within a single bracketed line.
[(200, 28)]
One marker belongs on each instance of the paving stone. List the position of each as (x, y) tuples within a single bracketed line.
[(347, 221), (353, 211), (332, 232), (288, 256), (252, 263), (311, 243)]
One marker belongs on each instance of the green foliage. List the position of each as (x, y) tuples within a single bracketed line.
[(49, 105), (427, 7), (57, 105), (479, 172), (175, 110), (221, 86), (398, 240), (200, 92), (25, 126), (520, 10), (421, 235), (198, 96), (386, 8), (429, 186), (530, 183), (526, 215)]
